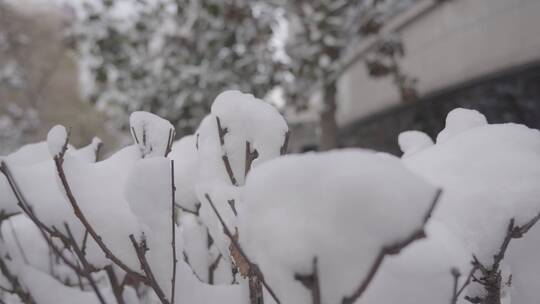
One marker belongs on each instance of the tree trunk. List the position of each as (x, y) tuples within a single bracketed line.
[(328, 137)]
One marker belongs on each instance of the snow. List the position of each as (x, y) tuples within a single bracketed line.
[(411, 142), (460, 120), (152, 133), (99, 191), (149, 193), (340, 207), (489, 173), (247, 120), (56, 140), (184, 154), (421, 273)]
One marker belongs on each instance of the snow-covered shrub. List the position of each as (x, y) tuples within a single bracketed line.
[(224, 216)]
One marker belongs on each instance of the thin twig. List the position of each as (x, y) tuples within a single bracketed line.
[(16, 286), (85, 265), (173, 228), (492, 275), (27, 209), (311, 282), (212, 269), (250, 157), (221, 132), (116, 287), (457, 292), (283, 149), (58, 160), (235, 243), (141, 250)]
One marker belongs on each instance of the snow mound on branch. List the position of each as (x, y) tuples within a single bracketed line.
[(23, 241), (460, 120), (189, 289), (99, 191), (46, 290), (90, 152), (243, 120), (184, 154), (421, 272), (30, 154), (226, 199), (490, 174), (34, 173), (340, 207), (149, 193), (411, 142), (57, 139), (152, 133)]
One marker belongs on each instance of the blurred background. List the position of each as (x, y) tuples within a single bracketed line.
[(343, 73)]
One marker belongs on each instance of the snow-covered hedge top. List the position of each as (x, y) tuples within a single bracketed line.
[(151, 133), (239, 127), (340, 208), (489, 173)]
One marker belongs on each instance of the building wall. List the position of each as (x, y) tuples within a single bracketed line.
[(455, 42)]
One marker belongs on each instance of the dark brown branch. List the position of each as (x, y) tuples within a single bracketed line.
[(232, 203), (118, 289), (212, 269), (85, 265), (84, 242), (392, 249), (134, 135), (221, 132), (250, 157), (58, 160), (44, 229), (170, 142), (4, 215), (196, 212), (311, 282), (228, 167), (97, 152), (141, 250), (283, 149), (173, 228), (16, 286), (491, 277), (253, 267), (457, 292)]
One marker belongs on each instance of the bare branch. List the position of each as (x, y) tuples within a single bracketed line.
[(254, 270), (141, 250), (250, 157), (311, 282), (225, 157), (85, 265), (492, 275), (16, 286), (212, 269), (115, 286), (173, 226), (457, 292), (283, 149), (58, 160)]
